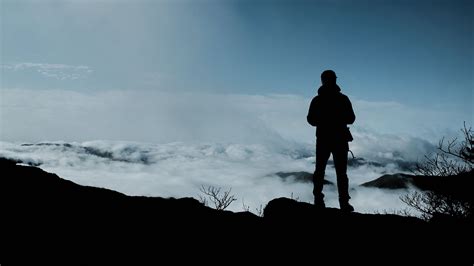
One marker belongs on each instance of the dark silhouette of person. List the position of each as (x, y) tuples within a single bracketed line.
[(330, 112)]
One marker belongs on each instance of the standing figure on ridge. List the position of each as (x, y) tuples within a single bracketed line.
[(330, 112)]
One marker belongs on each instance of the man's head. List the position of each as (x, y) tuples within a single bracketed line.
[(328, 77)]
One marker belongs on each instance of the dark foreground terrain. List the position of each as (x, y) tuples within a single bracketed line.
[(45, 217)]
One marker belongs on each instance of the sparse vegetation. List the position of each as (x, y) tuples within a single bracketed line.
[(259, 210), (213, 194), (294, 198), (431, 204), (245, 207), (453, 157), (403, 212)]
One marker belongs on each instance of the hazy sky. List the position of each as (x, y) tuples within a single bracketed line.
[(414, 53)]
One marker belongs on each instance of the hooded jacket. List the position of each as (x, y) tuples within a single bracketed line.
[(330, 112)]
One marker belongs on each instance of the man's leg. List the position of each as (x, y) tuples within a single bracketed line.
[(340, 163), (322, 156)]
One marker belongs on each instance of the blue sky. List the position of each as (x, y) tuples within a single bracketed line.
[(417, 53)]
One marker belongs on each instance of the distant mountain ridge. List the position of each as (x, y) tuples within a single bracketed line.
[(300, 176), (139, 154), (456, 185), (395, 181)]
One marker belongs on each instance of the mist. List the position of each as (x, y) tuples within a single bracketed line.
[(164, 116)]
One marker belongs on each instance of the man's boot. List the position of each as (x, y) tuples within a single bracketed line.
[(343, 189), (319, 203), (345, 206), (318, 181)]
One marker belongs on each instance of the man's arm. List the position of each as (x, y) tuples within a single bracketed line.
[(349, 115), (312, 117)]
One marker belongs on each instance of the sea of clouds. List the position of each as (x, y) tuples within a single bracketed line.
[(170, 144), (180, 170)]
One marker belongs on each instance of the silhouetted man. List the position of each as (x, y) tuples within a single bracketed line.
[(330, 112)]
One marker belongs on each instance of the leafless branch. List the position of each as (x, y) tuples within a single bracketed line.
[(429, 204), (463, 150), (259, 210), (453, 157), (203, 200), (294, 198), (220, 201), (245, 207)]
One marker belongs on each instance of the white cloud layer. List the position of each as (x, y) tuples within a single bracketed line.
[(179, 169), (55, 71)]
